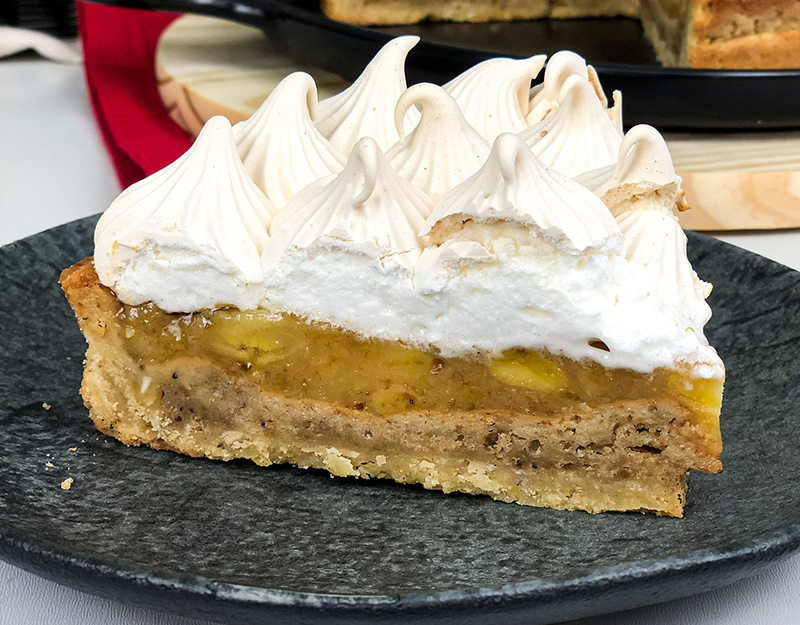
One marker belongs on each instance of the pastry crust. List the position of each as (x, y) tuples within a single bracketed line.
[(412, 11), (763, 51), (710, 34), (631, 455)]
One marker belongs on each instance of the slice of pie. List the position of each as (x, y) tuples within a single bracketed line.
[(724, 34), (524, 336), (412, 11), (712, 34)]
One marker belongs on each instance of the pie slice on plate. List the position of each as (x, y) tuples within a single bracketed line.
[(454, 314)]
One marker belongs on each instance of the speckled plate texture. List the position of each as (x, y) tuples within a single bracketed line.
[(242, 544)]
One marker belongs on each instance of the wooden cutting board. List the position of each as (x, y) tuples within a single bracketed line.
[(738, 181)]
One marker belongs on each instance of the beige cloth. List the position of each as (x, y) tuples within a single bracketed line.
[(14, 40)]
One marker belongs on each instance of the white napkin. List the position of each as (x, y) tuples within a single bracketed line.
[(13, 40)]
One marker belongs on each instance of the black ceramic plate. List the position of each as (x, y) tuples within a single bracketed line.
[(665, 98), (236, 542)]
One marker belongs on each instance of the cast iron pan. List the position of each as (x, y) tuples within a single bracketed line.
[(664, 97)]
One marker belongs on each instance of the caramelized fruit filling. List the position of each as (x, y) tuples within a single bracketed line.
[(304, 360)]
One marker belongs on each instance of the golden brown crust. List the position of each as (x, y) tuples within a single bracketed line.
[(565, 9), (714, 20), (368, 12), (763, 51), (411, 12)]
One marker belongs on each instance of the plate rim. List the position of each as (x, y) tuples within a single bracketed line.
[(765, 551)]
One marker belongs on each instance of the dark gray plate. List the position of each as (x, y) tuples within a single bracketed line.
[(246, 544)]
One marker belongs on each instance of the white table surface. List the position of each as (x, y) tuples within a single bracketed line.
[(54, 168)]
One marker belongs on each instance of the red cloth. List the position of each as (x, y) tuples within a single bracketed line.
[(119, 60)]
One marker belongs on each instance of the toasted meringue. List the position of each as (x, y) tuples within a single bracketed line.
[(515, 186), (443, 150), (644, 169), (191, 235), (367, 209), (562, 65), (656, 243), (279, 145), (579, 136), (494, 94), (366, 108)]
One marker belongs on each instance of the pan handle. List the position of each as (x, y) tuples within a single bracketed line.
[(250, 12)]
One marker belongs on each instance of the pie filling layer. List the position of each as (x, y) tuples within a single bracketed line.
[(230, 383), (286, 355)]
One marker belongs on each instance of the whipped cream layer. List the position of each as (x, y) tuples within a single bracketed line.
[(444, 242), (656, 245), (368, 210)]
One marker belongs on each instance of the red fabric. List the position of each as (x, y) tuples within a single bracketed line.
[(119, 60)]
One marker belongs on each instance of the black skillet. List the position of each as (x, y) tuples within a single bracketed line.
[(664, 97)]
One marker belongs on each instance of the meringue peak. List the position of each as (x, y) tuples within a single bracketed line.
[(443, 150), (366, 108), (578, 136), (190, 236), (545, 96), (279, 145), (656, 243), (644, 156), (494, 95), (559, 67), (515, 186), (644, 167), (367, 209)]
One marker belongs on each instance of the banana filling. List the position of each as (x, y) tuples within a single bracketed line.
[(312, 361)]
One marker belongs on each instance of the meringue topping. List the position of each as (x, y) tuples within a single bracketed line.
[(562, 65), (515, 186), (366, 108), (644, 169), (656, 243), (514, 255), (544, 97), (191, 235), (494, 95), (443, 150), (368, 209), (522, 257), (279, 145), (579, 136)]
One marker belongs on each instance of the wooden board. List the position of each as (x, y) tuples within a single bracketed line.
[(208, 66)]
